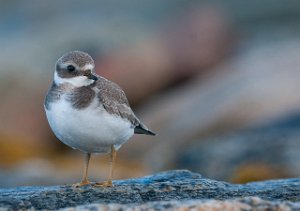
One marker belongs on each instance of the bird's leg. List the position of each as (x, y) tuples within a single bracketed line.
[(84, 180), (113, 156), (108, 183)]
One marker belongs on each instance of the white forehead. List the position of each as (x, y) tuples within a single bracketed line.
[(88, 67), (77, 81), (85, 67)]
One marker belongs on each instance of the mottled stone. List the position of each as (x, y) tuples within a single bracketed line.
[(251, 203), (255, 154), (179, 185)]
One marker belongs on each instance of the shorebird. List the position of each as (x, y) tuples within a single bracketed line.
[(88, 112)]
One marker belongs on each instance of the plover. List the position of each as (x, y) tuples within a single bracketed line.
[(88, 112)]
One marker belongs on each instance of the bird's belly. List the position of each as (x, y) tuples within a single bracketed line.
[(91, 129)]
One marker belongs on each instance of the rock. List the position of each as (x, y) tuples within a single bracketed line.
[(184, 48), (237, 204), (255, 154), (257, 87), (163, 190)]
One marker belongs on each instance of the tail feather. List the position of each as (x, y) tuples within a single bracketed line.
[(142, 129)]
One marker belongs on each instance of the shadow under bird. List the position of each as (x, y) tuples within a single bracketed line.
[(88, 112)]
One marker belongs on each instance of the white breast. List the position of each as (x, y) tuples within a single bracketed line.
[(91, 129)]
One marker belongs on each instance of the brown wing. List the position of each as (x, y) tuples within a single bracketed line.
[(114, 100)]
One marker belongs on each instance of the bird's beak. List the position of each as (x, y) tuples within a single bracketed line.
[(91, 76)]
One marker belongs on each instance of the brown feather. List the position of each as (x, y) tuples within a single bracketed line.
[(114, 100)]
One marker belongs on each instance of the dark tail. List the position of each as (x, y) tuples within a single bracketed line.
[(142, 129)]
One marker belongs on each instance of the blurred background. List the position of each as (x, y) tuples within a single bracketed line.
[(218, 81)]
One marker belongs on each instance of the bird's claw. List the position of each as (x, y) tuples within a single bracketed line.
[(103, 184), (82, 183)]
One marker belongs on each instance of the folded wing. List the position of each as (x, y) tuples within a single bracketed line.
[(115, 102)]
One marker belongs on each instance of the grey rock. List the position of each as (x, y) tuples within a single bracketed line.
[(255, 88), (179, 185), (275, 149), (251, 203)]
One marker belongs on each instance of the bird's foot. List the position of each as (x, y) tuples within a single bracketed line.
[(103, 184), (82, 183)]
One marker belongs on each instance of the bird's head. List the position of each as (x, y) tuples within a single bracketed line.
[(76, 68)]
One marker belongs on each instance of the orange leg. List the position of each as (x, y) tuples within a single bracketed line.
[(108, 183), (84, 180)]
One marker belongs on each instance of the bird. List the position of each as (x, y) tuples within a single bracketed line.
[(88, 112)]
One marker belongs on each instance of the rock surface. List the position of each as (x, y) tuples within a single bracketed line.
[(251, 203), (247, 155), (166, 190), (251, 90)]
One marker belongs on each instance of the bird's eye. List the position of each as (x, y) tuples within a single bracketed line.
[(70, 68)]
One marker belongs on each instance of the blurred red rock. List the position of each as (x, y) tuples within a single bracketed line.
[(258, 87), (187, 46)]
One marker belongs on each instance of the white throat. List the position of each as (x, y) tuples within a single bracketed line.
[(77, 81)]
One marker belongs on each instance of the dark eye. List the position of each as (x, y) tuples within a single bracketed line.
[(70, 68)]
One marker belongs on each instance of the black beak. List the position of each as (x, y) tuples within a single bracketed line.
[(92, 77)]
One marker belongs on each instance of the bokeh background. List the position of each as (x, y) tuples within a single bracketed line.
[(219, 81)]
